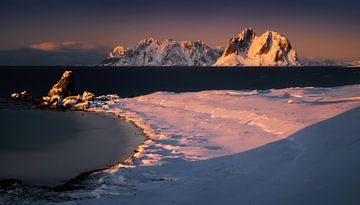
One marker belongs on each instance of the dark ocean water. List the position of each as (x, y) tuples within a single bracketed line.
[(135, 81), (48, 148)]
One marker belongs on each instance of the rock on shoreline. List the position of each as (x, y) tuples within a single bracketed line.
[(21, 96), (64, 87), (60, 96)]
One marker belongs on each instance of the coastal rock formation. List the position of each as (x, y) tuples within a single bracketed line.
[(21, 96), (60, 96), (150, 52), (71, 101), (268, 49), (64, 87), (87, 96)]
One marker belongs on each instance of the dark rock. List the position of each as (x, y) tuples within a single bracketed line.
[(60, 96), (9, 184), (65, 86), (87, 96), (81, 106), (70, 101), (241, 42), (21, 96)]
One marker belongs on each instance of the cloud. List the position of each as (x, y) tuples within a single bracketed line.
[(50, 53), (55, 53), (59, 46)]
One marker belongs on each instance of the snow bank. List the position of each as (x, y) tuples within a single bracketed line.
[(207, 147)]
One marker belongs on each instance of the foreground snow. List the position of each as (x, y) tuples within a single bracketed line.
[(207, 148)]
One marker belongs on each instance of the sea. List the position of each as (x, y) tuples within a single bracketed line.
[(136, 81)]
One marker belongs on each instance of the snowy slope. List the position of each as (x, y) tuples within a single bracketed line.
[(268, 49), (317, 165), (150, 52), (212, 147)]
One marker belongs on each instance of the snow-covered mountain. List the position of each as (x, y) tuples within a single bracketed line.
[(268, 49), (150, 52), (245, 49), (355, 63), (324, 62)]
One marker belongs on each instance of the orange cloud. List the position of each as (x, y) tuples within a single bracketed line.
[(56, 46)]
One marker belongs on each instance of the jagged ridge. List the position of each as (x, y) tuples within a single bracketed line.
[(245, 49), (269, 49), (150, 52)]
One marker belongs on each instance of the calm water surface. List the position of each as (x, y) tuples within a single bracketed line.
[(135, 81), (47, 148)]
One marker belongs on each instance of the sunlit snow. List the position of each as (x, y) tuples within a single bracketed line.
[(203, 140)]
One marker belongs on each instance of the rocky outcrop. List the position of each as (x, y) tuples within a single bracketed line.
[(21, 96), (60, 96), (64, 87), (87, 96)]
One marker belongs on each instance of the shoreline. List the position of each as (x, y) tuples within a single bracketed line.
[(74, 183), (82, 177)]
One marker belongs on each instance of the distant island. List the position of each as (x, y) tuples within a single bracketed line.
[(245, 49)]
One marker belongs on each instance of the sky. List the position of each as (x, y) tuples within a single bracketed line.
[(44, 32)]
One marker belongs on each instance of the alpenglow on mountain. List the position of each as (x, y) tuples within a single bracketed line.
[(245, 49), (268, 49), (150, 52)]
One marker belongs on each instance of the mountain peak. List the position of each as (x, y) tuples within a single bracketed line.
[(247, 33), (241, 42), (268, 49), (148, 41), (117, 52), (150, 52)]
